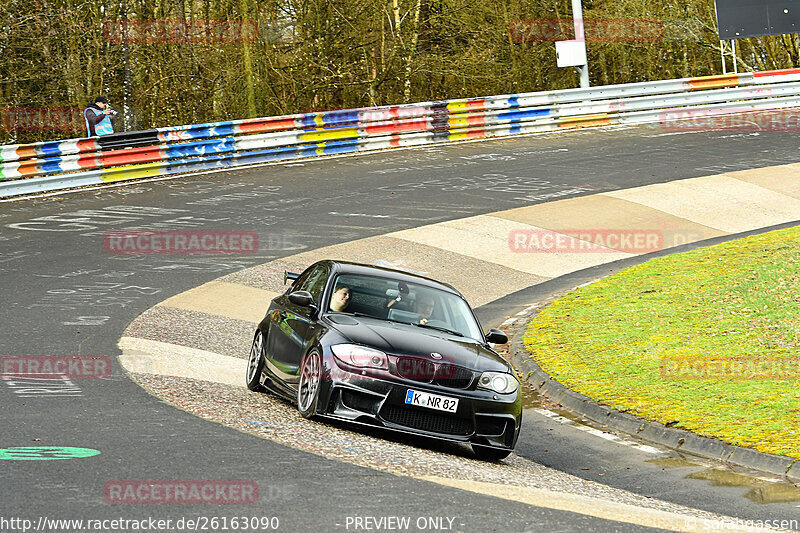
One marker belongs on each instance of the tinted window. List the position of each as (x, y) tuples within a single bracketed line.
[(314, 282), (409, 303)]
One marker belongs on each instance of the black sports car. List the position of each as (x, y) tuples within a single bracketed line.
[(387, 348)]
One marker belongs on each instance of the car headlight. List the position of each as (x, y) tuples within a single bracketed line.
[(498, 382), (360, 356)]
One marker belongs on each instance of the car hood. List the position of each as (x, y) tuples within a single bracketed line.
[(406, 339)]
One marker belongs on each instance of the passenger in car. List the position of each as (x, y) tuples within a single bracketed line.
[(340, 299)]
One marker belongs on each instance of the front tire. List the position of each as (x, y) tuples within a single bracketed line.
[(310, 378), (255, 363), (488, 453)]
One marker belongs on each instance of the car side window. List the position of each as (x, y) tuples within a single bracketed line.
[(315, 282)]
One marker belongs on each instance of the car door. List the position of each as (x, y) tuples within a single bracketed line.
[(292, 326)]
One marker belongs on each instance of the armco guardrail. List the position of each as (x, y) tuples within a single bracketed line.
[(31, 168)]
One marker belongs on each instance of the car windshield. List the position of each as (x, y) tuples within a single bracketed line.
[(399, 301)]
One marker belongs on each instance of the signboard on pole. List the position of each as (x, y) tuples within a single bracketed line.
[(737, 19)]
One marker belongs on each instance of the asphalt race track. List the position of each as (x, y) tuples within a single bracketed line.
[(63, 294)]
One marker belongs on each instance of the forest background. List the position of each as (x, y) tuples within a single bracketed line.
[(170, 62)]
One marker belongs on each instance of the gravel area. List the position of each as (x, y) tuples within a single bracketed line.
[(212, 333), (269, 417)]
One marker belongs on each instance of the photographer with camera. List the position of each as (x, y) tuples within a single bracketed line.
[(98, 117)]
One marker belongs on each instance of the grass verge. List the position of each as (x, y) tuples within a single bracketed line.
[(707, 340)]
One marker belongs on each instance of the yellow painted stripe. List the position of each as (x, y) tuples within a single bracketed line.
[(458, 122), (146, 170), (585, 121), (329, 135), (457, 106), (714, 82), (319, 120)]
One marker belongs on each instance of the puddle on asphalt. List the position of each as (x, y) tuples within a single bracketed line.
[(760, 491), (530, 398), (672, 462)]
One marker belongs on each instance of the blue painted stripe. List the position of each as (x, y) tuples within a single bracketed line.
[(522, 115), (197, 148), (49, 148), (49, 167), (340, 117), (309, 119)]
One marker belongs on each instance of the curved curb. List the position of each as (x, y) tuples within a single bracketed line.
[(654, 432)]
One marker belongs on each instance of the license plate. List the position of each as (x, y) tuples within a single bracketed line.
[(431, 401)]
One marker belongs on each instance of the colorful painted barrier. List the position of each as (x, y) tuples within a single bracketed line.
[(178, 149)]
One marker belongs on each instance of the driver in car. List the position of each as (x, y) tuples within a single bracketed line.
[(340, 299), (424, 306)]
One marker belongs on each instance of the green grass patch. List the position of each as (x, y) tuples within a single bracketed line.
[(707, 340)]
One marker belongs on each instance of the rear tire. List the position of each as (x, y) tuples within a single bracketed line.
[(308, 388), (255, 363), (488, 453)]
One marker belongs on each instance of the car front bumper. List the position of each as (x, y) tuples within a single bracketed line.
[(482, 417)]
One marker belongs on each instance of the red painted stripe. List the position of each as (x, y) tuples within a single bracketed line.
[(398, 127), (89, 145), (476, 104), (267, 125), (88, 161), (776, 72), (145, 154)]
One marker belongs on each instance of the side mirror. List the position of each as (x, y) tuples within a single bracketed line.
[(495, 336), (302, 298)]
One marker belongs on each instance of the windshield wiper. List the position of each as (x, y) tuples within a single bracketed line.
[(450, 331)]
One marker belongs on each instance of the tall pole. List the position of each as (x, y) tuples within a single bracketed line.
[(577, 19)]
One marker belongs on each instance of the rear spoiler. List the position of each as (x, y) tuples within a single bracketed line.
[(289, 276)]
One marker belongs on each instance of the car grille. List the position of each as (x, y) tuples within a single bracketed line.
[(426, 421), (456, 377), (444, 374)]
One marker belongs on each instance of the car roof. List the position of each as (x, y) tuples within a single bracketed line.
[(347, 267)]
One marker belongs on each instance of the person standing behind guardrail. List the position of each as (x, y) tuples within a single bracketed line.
[(98, 117)]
